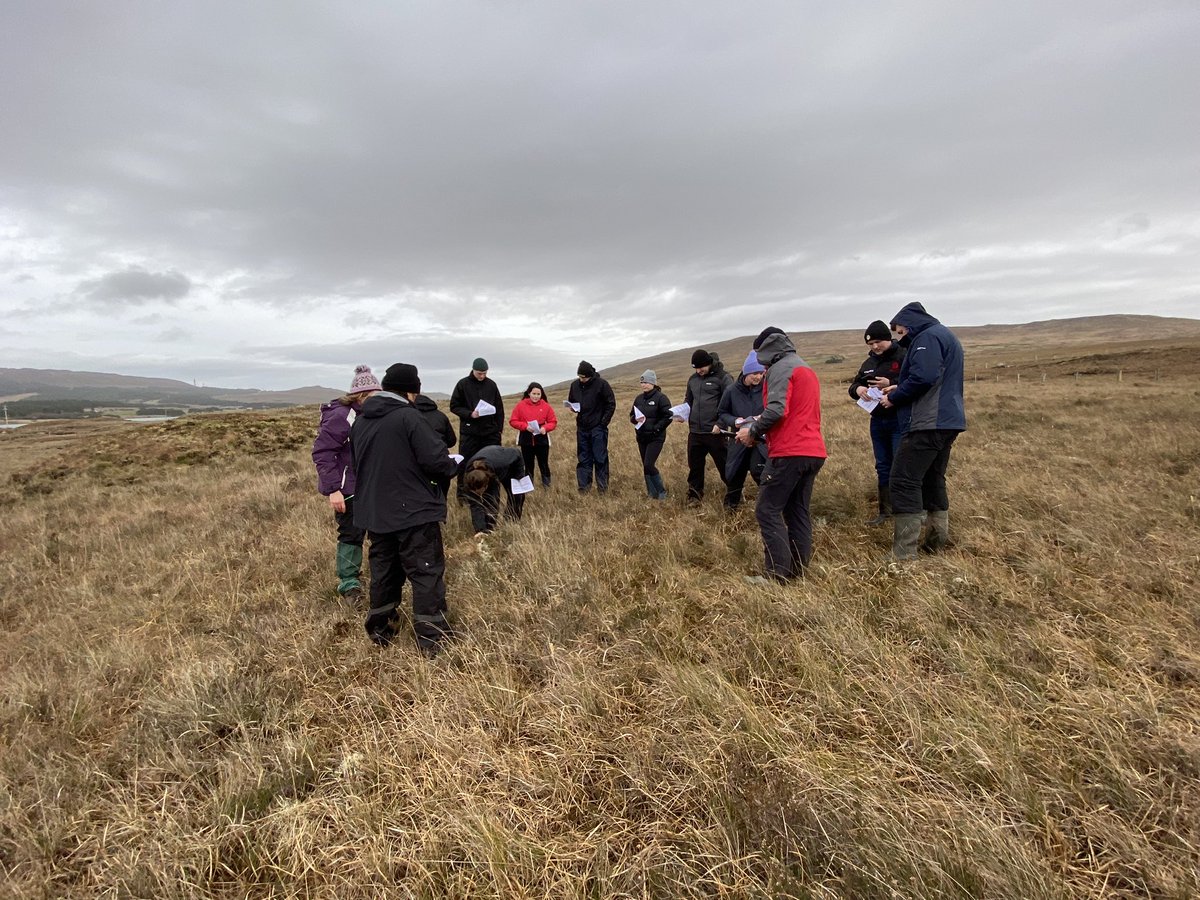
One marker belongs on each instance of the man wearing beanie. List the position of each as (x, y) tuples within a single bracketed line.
[(880, 370), (929, 398), (477, 431), (399, 458), (739, 405), (704, 391), (596, 407), (790, 424)]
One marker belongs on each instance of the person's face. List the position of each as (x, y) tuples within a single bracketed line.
[(754, 379), (703, 370), (647, 387), (585, 378), (479, 374), (900, 331), (878, 347), (535, 395)]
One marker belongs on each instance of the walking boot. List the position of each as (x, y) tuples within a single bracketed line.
[(885, 508), (651, 490), (545, 481), (938, 534), (349, 568), (906, 536), (660, 487)]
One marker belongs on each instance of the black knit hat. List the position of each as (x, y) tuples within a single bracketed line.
[(401, 378), (586, 369), (878, 331), (701, 358), (479, 365), (766, 333)]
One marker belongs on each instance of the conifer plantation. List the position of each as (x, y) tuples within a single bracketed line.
[(188, 710)]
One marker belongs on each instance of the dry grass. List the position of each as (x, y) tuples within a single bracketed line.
[(187, 711)]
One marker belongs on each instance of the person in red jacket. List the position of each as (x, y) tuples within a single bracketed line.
[(790, 423), (534, 419)]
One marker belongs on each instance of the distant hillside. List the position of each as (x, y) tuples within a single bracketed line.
[(62, 384), (1053, 343)]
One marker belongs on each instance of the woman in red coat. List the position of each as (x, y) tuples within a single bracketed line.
[(534, 419)]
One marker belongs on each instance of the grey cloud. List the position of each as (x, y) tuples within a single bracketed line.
[(136, 285)]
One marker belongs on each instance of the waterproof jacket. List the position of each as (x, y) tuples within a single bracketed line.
[(527, 411), (331, 450), (741, 401), (466, 396), (397, 456), (704, 394), (885, 365), (791, 417), (437, 419), (656, 407), (506, 462), (597, 403), (930, 392)]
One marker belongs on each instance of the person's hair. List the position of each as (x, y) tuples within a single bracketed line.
[(529, 390), (351, 399), (478, 477)]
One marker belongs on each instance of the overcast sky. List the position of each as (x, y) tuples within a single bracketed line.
[(265, 194)]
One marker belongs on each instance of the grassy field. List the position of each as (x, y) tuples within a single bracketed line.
[(187, 710)]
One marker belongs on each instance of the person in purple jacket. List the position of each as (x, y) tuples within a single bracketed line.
[(335, 477)]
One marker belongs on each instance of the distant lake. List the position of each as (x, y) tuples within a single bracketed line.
[(12, 425), (151, 418)]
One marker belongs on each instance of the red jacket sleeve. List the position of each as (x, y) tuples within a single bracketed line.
[(518, 419)]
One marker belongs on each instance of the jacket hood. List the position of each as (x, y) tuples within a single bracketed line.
[(332, 409), (381, 404), (424, 403), (774, 347), (914, 318)]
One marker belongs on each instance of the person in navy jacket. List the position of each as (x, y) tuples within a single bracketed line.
[(929, 403)]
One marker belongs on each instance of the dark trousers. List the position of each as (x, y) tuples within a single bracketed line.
[(468, 446), (782, 513), (885, 441), (742, 461), (649, 450), (414, 555), (485, 510), (701, 446), (540, 452), (347, 532), (592, 449), (919, 472)]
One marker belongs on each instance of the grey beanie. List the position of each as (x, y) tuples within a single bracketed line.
[(649, 377)]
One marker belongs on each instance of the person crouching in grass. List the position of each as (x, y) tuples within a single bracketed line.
[(483, 476)]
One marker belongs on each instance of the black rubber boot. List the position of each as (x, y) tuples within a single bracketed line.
[(885, 508)]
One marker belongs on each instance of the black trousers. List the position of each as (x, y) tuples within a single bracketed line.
[(918, 479), (346, 530), (485, 510), (415, 555), (743, 461), (699, 448), (539, 452), (649, 451), (782, 513)]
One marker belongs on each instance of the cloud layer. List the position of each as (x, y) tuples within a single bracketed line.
[(328, 185)]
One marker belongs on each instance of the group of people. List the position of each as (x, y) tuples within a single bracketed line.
[(384, 460)]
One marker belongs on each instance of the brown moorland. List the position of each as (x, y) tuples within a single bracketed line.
[(186, 710)]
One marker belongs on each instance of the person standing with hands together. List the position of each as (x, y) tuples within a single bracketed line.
[(880, 370), (534, 419)]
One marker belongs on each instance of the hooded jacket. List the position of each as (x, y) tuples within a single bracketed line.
[(791, 417), (704, 394), (741, 401), (331, 450), (656, 407), (929, 395), (467, 394), (437, 419), (885, 365), (397, 456), (596, 400), (527, 411)]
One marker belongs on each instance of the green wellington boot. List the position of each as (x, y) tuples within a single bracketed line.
[(349, 567)]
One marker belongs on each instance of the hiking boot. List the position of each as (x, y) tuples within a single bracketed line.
[(885, 508), (354, 596), (938, 534), (545, 481), (906, 535)]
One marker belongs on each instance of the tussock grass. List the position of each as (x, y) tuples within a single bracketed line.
[(188, 710)]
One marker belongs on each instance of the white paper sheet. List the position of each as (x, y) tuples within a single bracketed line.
[(682, 411), (522, 485), (484, 408), (457, 458), (639, 418), (574, 407), (534, 428), (874, 395)]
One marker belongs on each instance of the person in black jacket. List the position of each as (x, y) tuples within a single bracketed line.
[(597, 403), (704, 390), (880, 369), (398, 458), (484, 474), (476, 431), (440, 423), (652, 409), (739, 406)]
